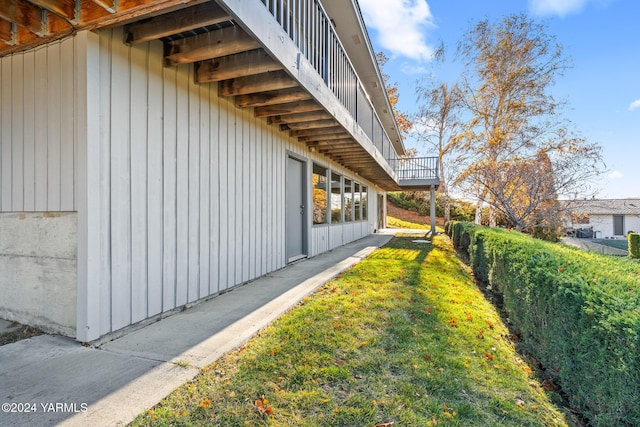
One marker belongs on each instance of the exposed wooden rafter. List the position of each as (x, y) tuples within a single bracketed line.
[(261, 99), (176, 22), (222, 42), (63, 8), (311, 124), (232, 66), (298, 118), (288, 108), (270, 81), (24, 14)]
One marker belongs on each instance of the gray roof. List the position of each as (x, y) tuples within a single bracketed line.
[(604, 206)]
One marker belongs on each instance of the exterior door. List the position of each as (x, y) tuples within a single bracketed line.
[(618, 225), (295, 210), (381, 222)]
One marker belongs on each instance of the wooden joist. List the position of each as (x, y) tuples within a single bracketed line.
[(239, 65), (222, 42), (312, 124), (288, 108), (110, 6), (316, 132), (261, 99), (299, 117), (321, 138), (63, 8), (6, 32), (24, 14), (270, 81), (182, 20)]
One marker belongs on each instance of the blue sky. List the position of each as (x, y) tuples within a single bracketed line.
[(601, 37)]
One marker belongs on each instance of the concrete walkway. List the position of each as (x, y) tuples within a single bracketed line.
[(54, 380)]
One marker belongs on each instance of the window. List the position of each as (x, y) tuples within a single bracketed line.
[(319, 183), (348, 200), (365, 206), (336, 198), (356, 202)]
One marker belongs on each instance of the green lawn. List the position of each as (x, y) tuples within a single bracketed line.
[(398, 223), (404, 337)]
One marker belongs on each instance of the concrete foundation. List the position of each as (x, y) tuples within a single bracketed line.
[(38, 270)]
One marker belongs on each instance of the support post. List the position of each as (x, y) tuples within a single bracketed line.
[(433, 210)]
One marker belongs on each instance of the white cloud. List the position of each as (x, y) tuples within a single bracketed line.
[(413, 69), (635, 104), (615, 175), (401, 26), (556, 7)]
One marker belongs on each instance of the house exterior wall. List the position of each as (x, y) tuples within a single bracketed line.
[(184, 193), (38, 270), (603, 225), (37, 144), (38, 187)]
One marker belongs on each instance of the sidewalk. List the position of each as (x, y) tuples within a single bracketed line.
[(63, 383)]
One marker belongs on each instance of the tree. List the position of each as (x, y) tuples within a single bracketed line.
[(515, 142), (439, 121), (404, 124)]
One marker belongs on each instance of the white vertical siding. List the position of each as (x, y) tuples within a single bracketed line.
[(37, 143), (182, 194)]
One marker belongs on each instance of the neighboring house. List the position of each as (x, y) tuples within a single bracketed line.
[(154, 153), (608, 218)]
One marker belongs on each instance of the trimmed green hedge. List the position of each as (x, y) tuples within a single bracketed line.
[(634, 245), (578, 314)]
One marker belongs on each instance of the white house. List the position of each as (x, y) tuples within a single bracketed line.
[(154, 153), (608, 218)]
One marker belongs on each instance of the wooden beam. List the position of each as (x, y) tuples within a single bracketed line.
[(318, 132), (261, 99), (63, 8), (288, 108), (222, 42), (346, 154), (299, 117), (6, 31), (322, 138), (110, 6), (24, 14), (312, 124), (239, 65), (176, 22), (265, 82), (341, 149)]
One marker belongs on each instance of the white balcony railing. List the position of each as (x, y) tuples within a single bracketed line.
[(310, 28)]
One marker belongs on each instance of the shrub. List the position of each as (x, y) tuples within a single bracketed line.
[(577, 313), (634, 245)]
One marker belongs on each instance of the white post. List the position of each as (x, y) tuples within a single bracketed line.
[(433, 210)]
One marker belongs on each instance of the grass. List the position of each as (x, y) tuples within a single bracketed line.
[(403, 337), (398, 223)]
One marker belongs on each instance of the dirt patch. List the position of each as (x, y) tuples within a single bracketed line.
[(410, 216), (19, 334)]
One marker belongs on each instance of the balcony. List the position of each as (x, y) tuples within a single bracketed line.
[(417, 173)]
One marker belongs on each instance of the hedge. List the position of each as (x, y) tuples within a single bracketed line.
[(578, 313), (634, 245)]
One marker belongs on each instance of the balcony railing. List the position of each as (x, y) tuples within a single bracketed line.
[(310, 28), (417, 171)]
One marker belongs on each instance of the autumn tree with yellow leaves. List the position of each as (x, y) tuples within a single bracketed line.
[(518, 153)]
